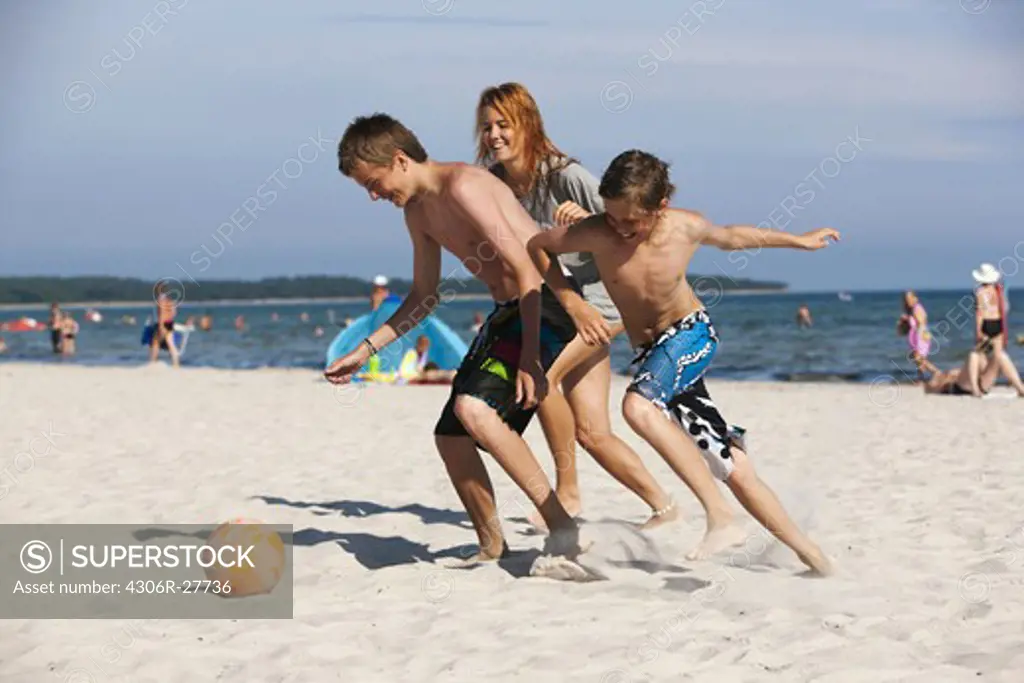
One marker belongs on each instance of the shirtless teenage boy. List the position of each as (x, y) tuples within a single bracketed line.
[(642, 250), (475, 216)]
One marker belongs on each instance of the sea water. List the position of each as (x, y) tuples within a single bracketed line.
[(850, 341)]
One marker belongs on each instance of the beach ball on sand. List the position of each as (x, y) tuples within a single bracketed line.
[(266, 557)]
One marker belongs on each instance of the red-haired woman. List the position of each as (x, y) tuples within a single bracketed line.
[(554, 189)]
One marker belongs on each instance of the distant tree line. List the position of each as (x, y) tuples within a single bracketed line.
[(34, 290)]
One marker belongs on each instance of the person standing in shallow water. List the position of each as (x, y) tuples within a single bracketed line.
[(553, 187), (163, 333), (56, 327), (803, 316), (69, 334), (642, 249)]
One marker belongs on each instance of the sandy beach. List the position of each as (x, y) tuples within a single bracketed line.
[(918, 498)]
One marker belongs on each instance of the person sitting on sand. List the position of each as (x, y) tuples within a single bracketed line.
[(642, 250), (803, 316), (416, 368), (415, 359), (957, 381), (914, 324), (991, 331), (69, 332)]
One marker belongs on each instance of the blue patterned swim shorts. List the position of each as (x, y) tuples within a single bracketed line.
[(671, 376)]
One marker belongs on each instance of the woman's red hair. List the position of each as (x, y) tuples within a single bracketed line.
[(515, 103)]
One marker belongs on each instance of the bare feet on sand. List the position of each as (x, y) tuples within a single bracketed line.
[(819, 563), (481, 556), (717, 539), (667, 514), (563, 569), (559, 559), (732, 534)]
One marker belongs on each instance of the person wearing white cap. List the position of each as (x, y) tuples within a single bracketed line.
[(991, 330), (379, 292)]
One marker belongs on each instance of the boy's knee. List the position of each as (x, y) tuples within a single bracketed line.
[(743, 473), (591, 438), (636, 409), (472, 412)]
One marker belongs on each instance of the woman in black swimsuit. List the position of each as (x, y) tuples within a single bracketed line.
[(991, 330)]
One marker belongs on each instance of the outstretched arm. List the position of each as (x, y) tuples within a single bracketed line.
[(543, 248), (567, 239), (422, 299), (737, 237)]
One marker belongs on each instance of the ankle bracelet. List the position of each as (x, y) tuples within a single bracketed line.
[(665, 510)]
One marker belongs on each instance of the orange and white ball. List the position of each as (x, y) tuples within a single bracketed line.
[(267, 556)]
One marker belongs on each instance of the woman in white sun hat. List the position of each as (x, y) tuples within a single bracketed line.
[(991, 331)]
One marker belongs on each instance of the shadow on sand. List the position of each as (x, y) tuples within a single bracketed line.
[(366, 508), (379, 552)]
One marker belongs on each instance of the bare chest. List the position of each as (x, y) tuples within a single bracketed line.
[(455, 233), (651, 275)]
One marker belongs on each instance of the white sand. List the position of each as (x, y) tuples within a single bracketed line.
[(919, 500)]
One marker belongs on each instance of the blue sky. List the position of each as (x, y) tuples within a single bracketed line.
[(132, 130)]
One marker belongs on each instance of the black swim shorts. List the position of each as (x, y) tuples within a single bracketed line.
[(488, 371)]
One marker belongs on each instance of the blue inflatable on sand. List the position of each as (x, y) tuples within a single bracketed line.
[(447, 349)]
